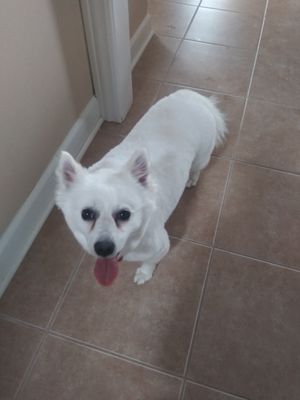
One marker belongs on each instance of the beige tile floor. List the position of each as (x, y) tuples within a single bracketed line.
[(220, 320)]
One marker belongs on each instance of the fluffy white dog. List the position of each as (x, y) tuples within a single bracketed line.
[(117, 208)]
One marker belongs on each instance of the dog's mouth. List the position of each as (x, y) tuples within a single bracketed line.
[(107, 269)]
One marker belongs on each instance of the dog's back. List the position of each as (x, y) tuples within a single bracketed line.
[(174, 132), (211, 104)]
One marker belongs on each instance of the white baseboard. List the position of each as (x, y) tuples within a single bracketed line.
[(33, 213), (140, 39)]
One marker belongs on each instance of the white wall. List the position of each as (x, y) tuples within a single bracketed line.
[(44, 85)]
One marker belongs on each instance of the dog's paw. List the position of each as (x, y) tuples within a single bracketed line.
[(142, 276), (189, 183), (193, 179)]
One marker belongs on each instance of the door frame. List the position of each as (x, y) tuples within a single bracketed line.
[(106, 24)]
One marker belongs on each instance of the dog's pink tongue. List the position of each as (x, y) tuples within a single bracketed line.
[(106, 270)]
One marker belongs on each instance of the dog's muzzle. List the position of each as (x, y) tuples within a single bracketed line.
[(104, 248)]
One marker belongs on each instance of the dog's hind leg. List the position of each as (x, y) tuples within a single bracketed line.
[(145, 272), (198, 164)]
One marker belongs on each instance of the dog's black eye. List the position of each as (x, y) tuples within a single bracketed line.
[(123, 215), (88, 214)]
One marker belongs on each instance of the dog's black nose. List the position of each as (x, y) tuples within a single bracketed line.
[(104, 248)]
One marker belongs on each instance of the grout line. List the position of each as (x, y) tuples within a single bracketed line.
[(187, 240), (30, 367), (289, 107), (227, 46), (278, 170), (65, 292), (189, 353), (180, 2), (113, 354), (228, 10), (251, 14), (232, 162), (293, 268), (205, 279), (182, 390), (182, 39), (234, 396), (34, 357), (17, 321), (221, 207), (270, 263), (251, 79), (220, 93), (206, 275), (210, 91), (250, 49)]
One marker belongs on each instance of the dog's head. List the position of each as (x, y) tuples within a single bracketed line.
[(106, 209)]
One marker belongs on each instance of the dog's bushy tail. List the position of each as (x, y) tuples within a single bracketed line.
[(220, 118), (211, 104)]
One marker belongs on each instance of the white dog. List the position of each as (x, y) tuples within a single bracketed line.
[(118, 207)]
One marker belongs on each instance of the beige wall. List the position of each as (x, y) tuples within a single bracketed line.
[(44, 85), (137, 12)]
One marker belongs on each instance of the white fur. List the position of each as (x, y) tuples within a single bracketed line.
[(146, 174)]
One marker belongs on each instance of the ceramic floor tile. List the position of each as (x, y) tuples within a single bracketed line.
[(225, 27), (261, 215), (194, 391), (190, 2), (231, 106), (35, 289), (104, 141), (17, 346), (197, 212), (170, 18), (288, 9), (157, 57), (277, 72), (254, 7), (271, 136), (144, 93), (248, 330), (212, 67), (151, 322), (66, 371)]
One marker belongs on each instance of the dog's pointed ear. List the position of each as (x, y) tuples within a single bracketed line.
[(68, 169), (138, 166)]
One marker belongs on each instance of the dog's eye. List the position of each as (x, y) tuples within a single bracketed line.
[(88, 214), (123, 215)]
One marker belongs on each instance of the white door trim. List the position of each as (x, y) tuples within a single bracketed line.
[(108, 40)]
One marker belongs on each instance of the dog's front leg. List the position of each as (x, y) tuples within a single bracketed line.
[(159, 249)]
